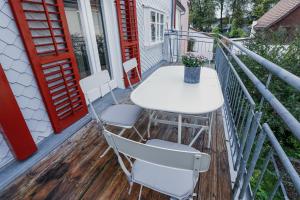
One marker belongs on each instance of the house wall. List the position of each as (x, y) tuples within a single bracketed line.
[(184, 24), (292, 20), (185, 16), (151, 55), (16, 66), (14, 60), (203, 44)]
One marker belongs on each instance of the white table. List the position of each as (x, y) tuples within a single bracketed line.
[(165, 90)]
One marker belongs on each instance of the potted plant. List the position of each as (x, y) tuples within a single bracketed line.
[(192, 67)]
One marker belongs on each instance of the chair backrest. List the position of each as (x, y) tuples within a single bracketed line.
[(188, 160), (130, 65), (91, 85)]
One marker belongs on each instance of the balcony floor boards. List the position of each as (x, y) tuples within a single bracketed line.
[(76, 171)]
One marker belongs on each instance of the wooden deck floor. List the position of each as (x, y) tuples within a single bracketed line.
[(76, 171)]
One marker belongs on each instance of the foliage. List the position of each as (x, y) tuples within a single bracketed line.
[(202, 14), (260, 7), (221, 4), (216, 30), (238, 8), (279, 48), (189, 60), (236, 32)]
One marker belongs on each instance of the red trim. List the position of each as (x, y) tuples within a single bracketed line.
[(12, 123), (53, 63), (129, 40)]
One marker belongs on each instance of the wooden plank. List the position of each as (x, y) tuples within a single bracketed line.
[(76, 171)]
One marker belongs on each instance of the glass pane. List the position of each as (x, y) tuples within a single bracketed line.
[(157, 17), (157, 32), (153, 32), (161, 32), (78, 40), (152, 16), (100, 35), (161, 18)]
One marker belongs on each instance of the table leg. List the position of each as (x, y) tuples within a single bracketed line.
[(149, 123), (179, 128), (209, 131)]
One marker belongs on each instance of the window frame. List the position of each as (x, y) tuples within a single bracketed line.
[(159, 24)]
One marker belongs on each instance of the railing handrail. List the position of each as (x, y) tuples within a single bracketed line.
[(283, 157), (283, 74), (243, 119), (187, 34), (249, 97), (282, 111)]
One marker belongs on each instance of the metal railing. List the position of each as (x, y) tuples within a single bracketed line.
[(178, 43), (259, 161)]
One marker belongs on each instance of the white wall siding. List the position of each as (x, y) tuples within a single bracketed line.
[(151, 55), (19, 73)]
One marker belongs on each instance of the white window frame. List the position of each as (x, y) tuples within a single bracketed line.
[(86, 18), (158, 24)]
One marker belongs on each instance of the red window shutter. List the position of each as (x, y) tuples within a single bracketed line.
[(43, 28), (128, 29), (12, 123)]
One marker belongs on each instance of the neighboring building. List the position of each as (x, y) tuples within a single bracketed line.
[(181, 19), (184, 20), (286, 13), (41, 42), (201, 44)]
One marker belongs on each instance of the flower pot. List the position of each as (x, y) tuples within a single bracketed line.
[(192, 74)]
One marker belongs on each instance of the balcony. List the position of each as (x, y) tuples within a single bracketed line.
[(245, 153)]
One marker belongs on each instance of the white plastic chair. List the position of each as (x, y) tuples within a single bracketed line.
[(119, 115), (128, 66), (167, 167)]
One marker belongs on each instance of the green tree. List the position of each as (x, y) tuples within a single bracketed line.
[(260, 7), (239, 11), (202, 14), (222, 5), (280, 49), (236, 31)]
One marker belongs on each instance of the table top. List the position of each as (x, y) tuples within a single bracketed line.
[(165, 90)]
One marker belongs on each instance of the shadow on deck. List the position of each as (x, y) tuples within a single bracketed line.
[(76, 171)]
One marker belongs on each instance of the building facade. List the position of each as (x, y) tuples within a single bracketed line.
[(47, 46)]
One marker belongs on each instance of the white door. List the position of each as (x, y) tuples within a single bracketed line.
[(85, 22)]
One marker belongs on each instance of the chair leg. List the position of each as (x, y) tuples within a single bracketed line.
[(105, 152), (209, 131), (108, 148), (142, 138), (140, 193), (130, 187)]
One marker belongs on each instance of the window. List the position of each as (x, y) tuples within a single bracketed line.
[(157, 22), (78, 40), (100, 35)]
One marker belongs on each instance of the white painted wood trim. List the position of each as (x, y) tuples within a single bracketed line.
[(91, 33), (113, 41), (86, 32), (92, 49)]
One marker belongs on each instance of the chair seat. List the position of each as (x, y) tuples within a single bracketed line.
[(121, 115), (173, 182)]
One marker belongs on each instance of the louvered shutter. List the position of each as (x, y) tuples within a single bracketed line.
[(43, 28), (128, 30), (12, 122)]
